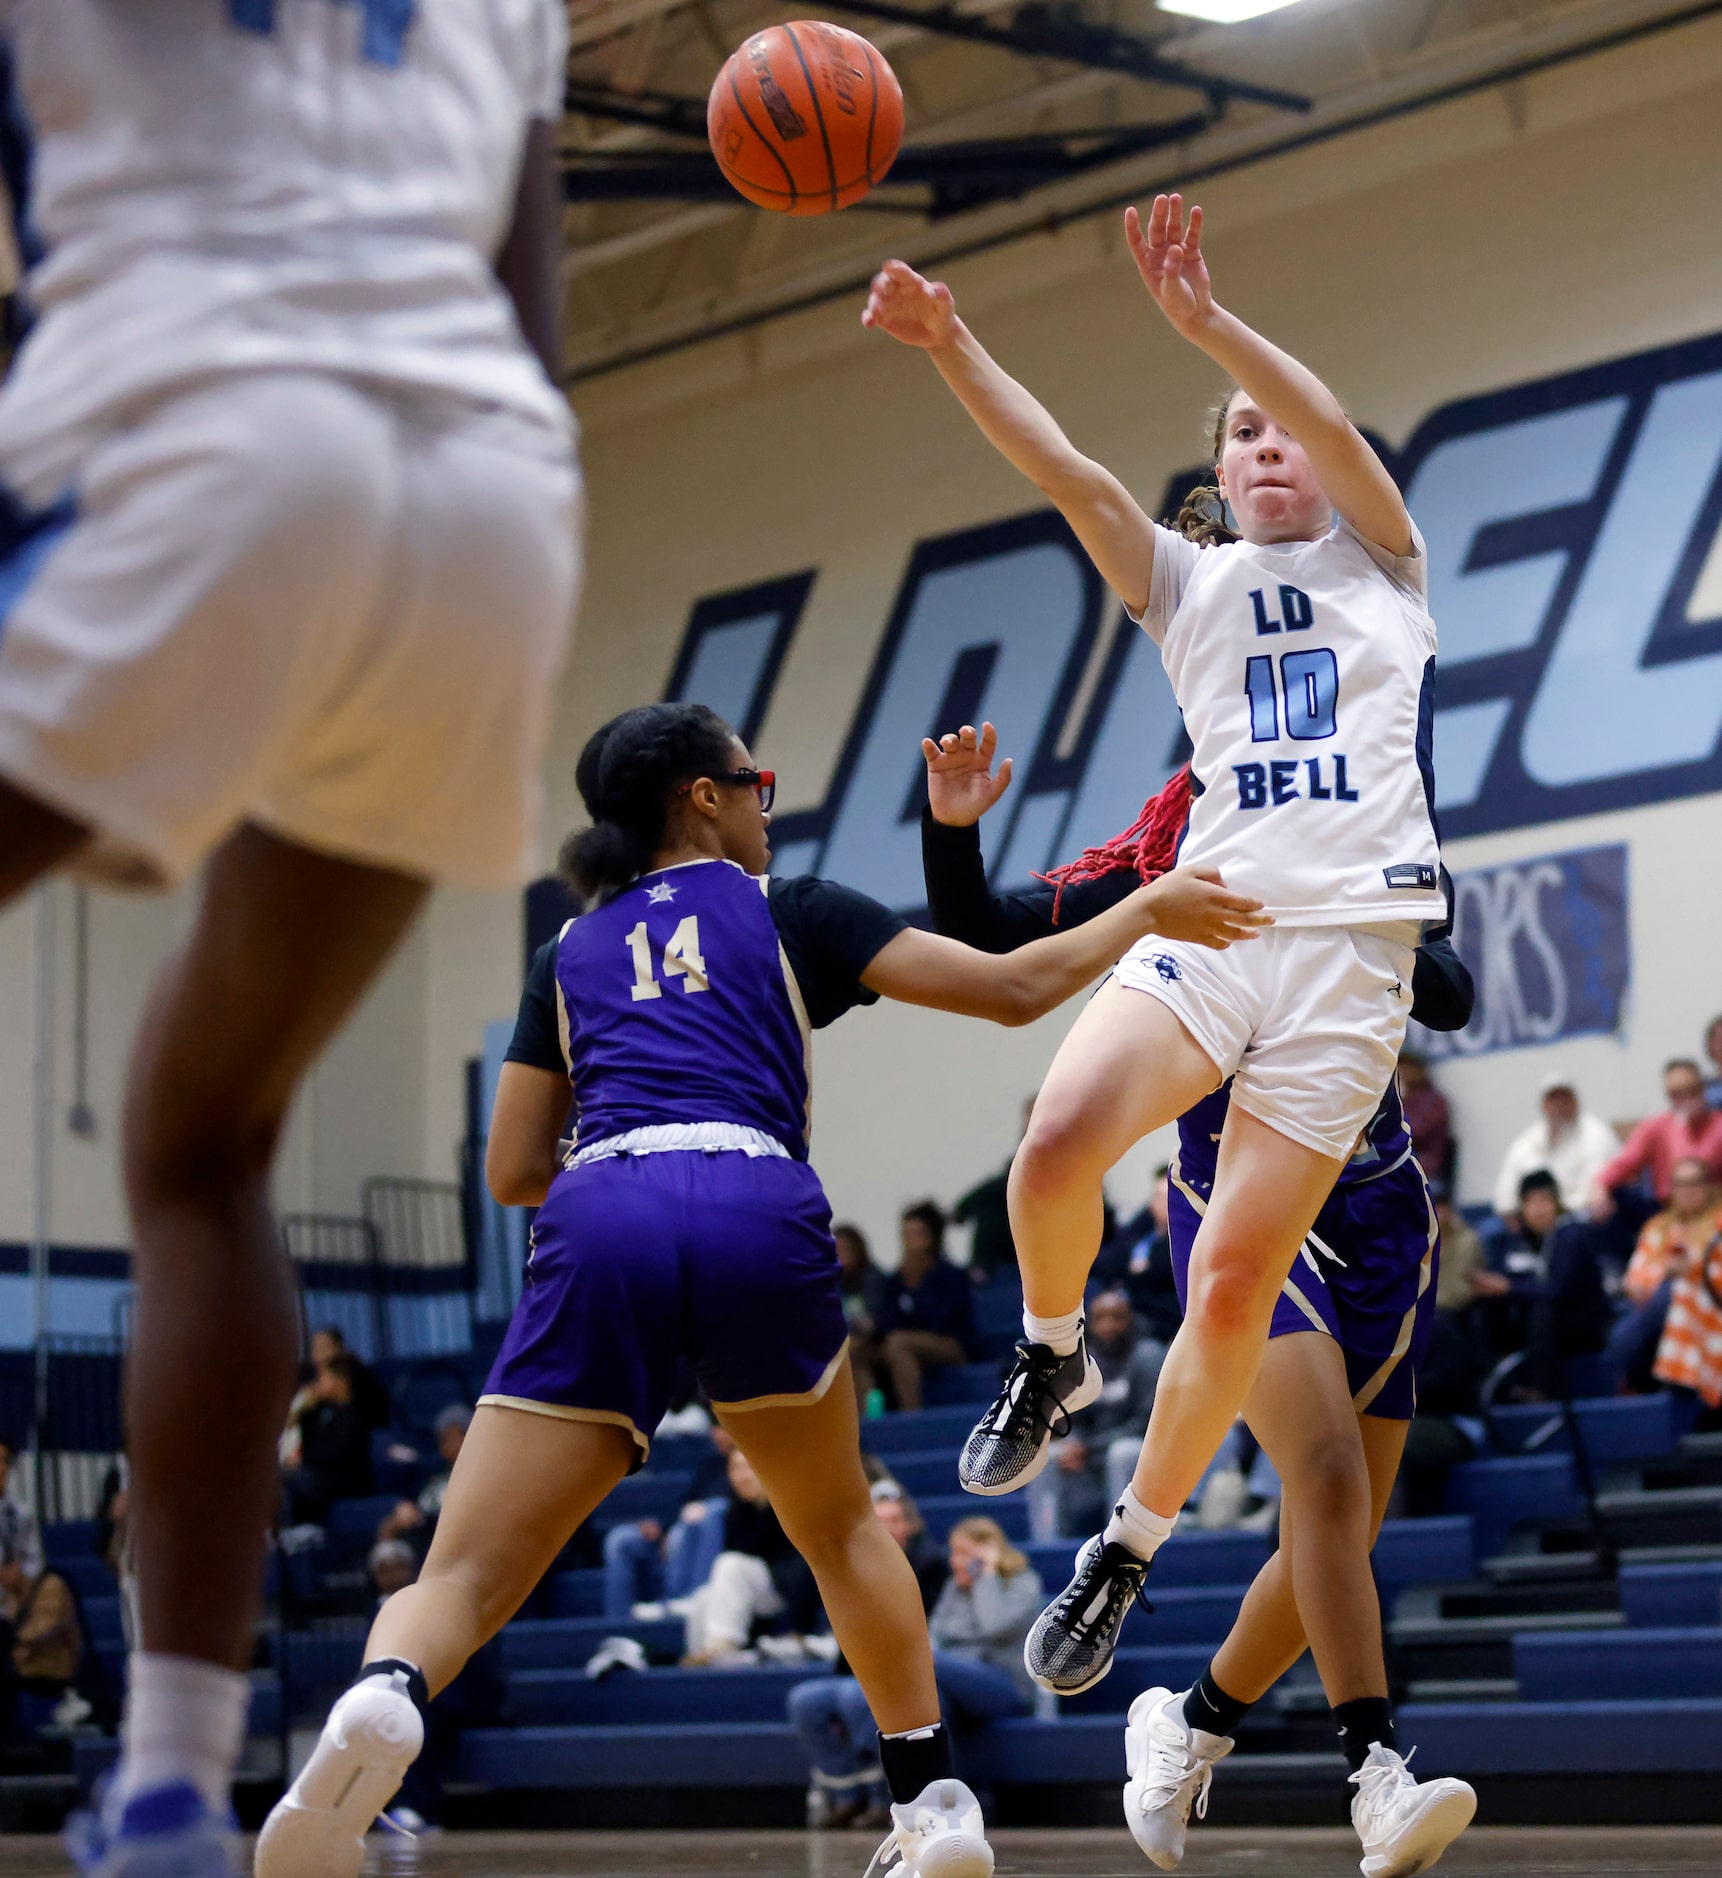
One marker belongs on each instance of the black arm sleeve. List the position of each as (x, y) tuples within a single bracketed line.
[(963, 906), (537, 1039), (830, 934), (1442, 994)]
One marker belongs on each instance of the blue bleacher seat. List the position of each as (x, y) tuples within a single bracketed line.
[(88, 1575), (568, 1642), (1581, 1665), (975, 1383), (1604, 1738), (1195, 1559), (924, 1474), (1502, 1493), (562, 1697), (69, 1538), (682, 1754), (1615, 1429), (102, 1620), (653, 1495), (1425, 1552), (1170, 1666), (1658, 1596), (943, 1511), (917, 1431), (572, 1594), (359, 1518)]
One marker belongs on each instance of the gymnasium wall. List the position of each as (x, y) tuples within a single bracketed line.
[(801, 519)]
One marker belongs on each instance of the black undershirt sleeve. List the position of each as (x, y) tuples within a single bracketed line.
[(963, 906), (537, 1039), (830, 934)]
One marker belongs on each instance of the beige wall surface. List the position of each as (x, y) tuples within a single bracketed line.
[(1556, 224)]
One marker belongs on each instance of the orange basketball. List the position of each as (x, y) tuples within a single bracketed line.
[(805, 118)]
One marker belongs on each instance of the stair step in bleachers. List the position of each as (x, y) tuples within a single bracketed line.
[(1563, 1737), (1664, 1516), (1655, 1665), (666, 1697), (1658, 1596), (568, 1642)]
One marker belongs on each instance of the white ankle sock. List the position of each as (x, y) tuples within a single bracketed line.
[(185, 1720), (1133, 1525), (1059, 1334)]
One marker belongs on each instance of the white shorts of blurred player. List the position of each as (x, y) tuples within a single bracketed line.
[(1307, 1020), (289, 600)]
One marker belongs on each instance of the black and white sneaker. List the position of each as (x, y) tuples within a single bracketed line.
[(1070, 1647), (1010, 1442)]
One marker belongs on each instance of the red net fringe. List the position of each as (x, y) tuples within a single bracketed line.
[(1149, 844)]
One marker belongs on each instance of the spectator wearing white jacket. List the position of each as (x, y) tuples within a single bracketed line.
[(1567, 1141)]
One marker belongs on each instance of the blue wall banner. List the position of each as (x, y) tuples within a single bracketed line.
[(1547, 942)]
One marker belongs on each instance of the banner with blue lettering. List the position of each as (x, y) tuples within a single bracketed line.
[(1547, 942)]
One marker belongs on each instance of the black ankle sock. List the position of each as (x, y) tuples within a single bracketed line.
[(912, 1762), (407, 1677), (1208, 1706), (1367, 1720)]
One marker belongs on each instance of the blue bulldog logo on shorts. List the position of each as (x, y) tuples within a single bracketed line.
[(1165, 965)]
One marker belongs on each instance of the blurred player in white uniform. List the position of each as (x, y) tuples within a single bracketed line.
[(289, 549)]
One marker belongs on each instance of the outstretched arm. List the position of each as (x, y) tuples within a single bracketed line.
[(1168, 255), (1102, 513)]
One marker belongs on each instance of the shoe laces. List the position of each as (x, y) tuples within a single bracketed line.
[(1090, 1615), (1027, 1390), (1381, 1778), (1173, 1764)]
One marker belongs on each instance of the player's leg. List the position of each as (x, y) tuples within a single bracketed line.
[(34, 840), (1267, 1192), (1128, 1066), (284, 944), (808, 1459)]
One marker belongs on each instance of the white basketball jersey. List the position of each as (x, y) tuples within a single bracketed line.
[(219, 185), (1305, 674)]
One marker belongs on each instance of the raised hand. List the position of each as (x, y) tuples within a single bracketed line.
[(961, 783), (918, 312), (1193, 903), (1168, 256)]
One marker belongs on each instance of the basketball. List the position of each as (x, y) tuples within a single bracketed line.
[(805, 118)]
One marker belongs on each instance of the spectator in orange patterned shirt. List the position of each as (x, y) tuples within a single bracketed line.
[(1676, 1275)]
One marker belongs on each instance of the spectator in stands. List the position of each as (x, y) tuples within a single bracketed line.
[(647, 1570), (1428, 1118), (41, 1639), (1566, 1140), (1688, 1128), (927, 1318), (415, 1520), (21, 1558), (1672, 1251), (978, 1625), (1464, 1276), (370, 1395), (1557, 1303), (1090, 1465), (986, 1208), (334, 1447), (1449, 1381), (757, 1578), (864, 1292), (1713, 1050), (897, 1512), (1689, 1355), (1138, 1259)]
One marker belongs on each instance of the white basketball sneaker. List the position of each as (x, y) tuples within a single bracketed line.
[(939, 1834), (317, 1829), (1405, 1825), (1171, 1767)]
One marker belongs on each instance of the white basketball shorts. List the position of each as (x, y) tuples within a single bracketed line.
[(290, 600), (1307, 1020)]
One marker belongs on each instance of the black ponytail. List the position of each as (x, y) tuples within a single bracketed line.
[(625, 776)]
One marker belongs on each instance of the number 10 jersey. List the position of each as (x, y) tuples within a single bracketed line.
[(1305, 672)]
